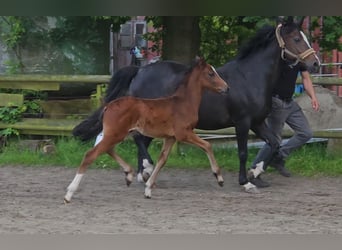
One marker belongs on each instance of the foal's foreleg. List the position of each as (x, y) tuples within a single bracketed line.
[(126, 167), (167, 145), (196, 140)]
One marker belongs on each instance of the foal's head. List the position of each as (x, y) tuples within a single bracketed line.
[(208, 77)]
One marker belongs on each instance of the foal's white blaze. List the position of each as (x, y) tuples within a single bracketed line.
[(73, 187), (213, 69), (307, 42)]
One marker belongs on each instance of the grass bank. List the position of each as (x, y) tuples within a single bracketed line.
[(310, 160)]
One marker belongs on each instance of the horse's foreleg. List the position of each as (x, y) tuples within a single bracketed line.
[(206, 146), (126, 167), (145, 162), (167, 145), (242, 140)]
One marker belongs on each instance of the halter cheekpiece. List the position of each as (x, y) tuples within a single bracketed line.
[(300, 57)]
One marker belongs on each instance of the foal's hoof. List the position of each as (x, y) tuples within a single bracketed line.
[(129, 178), (128, 182), (250, 188), (66, 201), (148, 193), (219, 179)]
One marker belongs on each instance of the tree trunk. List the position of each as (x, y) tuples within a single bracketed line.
[(182, 38)]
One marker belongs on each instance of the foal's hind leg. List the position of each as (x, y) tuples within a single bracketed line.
[(196, 140), (167, 145), (126, 167), (88, 158), (103, 146)]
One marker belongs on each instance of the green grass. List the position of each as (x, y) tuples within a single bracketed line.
[(310, 160)]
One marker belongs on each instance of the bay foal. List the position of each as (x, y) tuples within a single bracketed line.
[(172, 118)]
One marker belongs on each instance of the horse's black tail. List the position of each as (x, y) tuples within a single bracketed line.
[(118, 86)]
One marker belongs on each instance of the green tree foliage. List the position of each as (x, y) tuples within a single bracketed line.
[(330, 32)]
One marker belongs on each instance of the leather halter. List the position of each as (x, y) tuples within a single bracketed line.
[(299, 57)]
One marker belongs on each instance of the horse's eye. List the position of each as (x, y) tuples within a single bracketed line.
[(211, 74), (297, 39)]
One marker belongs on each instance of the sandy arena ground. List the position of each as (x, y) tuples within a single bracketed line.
[(185, 201)]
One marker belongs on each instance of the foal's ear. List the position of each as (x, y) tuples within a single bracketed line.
[(199, 61)]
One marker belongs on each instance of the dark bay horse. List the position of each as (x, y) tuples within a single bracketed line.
[(252, 77), (172, 118)]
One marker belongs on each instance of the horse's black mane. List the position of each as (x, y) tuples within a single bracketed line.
[(262, 39)]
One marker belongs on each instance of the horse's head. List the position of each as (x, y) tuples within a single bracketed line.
[(209, 78), (295, 46)]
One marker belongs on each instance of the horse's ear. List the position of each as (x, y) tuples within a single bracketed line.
[(285, 20), (280, 19)]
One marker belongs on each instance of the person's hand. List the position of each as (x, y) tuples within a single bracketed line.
[(315, 104)]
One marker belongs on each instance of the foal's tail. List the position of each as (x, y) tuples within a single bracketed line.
[(118, 86)]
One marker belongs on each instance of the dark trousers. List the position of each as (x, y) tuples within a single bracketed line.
[(288, 112)]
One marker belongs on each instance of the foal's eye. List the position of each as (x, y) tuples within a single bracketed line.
[(211, 74)]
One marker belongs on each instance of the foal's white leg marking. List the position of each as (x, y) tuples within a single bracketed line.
[(73, 187), (98, 138), (258, 170)]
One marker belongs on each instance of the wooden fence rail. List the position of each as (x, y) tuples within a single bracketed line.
[(63, 127)]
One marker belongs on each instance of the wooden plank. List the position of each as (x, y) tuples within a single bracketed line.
[(11, 99), (324, 80), (35, 126), (56, 78), (38, 86)]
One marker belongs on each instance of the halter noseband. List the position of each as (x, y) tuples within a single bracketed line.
[(300, 57)]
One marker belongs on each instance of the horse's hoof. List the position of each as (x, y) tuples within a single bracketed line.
[(140, 178), (66, 201), (221, 183), (250, 188), (250, 175), (145, 176)]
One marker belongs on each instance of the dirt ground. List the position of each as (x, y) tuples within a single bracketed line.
[(185, 201)]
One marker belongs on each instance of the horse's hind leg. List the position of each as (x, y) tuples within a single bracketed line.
[(145, 163), (126, 167), (167, 145), (196, 140)]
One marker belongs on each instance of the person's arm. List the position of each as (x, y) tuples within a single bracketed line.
[(310, 89)]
